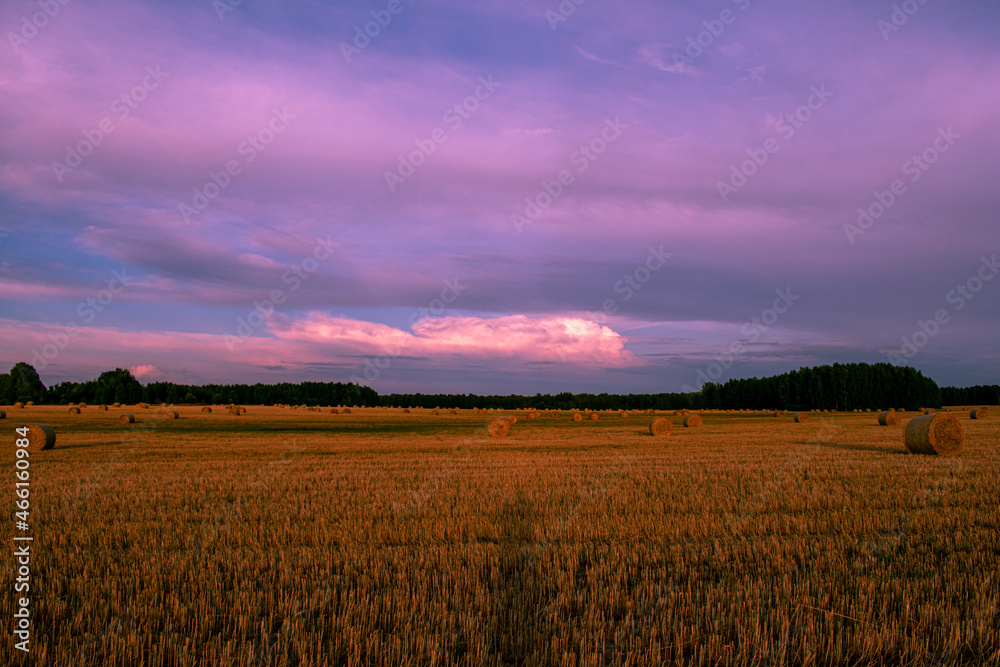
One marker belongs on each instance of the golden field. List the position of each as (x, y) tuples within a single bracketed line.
[(290, 537)]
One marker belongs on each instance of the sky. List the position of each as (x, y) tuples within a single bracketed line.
[(518, 197)]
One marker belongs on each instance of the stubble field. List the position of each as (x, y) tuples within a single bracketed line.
[(289, 537)]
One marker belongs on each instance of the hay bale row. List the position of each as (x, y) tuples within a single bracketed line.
[(661, 426), (41, 437), (888, 418), (940, 434)]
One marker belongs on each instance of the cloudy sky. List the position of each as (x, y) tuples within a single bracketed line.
[(499, 197)]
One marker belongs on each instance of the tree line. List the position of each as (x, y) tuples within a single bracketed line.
[(829, 387)]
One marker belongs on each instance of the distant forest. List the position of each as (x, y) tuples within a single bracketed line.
[(836, 387)]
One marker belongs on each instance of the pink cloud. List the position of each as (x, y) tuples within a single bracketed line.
[(511, 337)]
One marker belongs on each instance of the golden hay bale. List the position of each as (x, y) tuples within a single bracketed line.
[(346, 411), (29, 404), (74, 411), (206, 410), (677, 413), (661, 426), (171, 414), (235, 412), (243, 410), (624, 414), (578, 417), (163, 405), (594, 416), (82, 405), (692, 421), (435, 412), (19, 404), (532, 415), (406, 411), (127, 418), (888, 418), (512, 419), (145, 406), (779, 413), (934, 434), (929, 411), (3, 415), (334, 411), (453, 412), (979, 413), (497, 428), (40, 437), (801, 417)]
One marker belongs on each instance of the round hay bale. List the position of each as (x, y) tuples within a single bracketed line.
[(82, 405), (243, 410), (512, 419), (532, 415), (74, 411), (171, 414), (498, 428), (594, 416), (406, 411), (41, 437), (453, 412), (29, 404), (346, 411), (888, 418), (929, 411), (677, 413), (978, 413), (934, 434), (127, 418), (3, 415), (206, 410), (692, 421), (19, 404), (578, 417), (235, 412), (661, 426), (144, 406), (624, 414), (778, 413), (334, 411), (801, 417), (163, 405)]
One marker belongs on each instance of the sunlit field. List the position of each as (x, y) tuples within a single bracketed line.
[(292, 537)]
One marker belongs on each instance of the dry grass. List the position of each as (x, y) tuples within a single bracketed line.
[(292, 538)]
